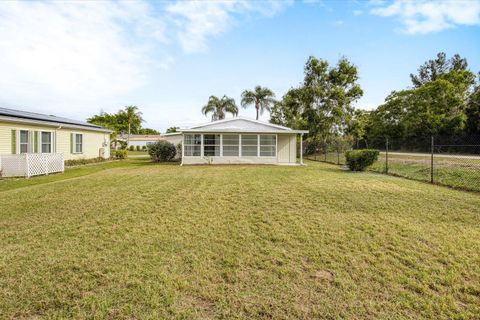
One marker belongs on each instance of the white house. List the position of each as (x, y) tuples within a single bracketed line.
[(141, 140), (238, 141)]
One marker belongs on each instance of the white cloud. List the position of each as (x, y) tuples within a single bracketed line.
[(199, 20), (357, 12), (430, 16), (75, 53)]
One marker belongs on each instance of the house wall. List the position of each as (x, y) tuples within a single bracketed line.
[(92, 140), (287, 148), (286, 154)]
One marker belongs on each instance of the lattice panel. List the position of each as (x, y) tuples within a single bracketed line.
[(31, 164)]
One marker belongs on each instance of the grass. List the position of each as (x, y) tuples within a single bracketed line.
[(457, 172), (146, 241)]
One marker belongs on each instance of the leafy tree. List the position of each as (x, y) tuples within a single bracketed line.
[(147, 131), (220, 107), (358, 125), (434, 69), (473, 112), (262, 98), (172, 129), (323, 102)]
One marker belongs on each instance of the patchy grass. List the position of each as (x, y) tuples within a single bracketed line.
[(146, 241)]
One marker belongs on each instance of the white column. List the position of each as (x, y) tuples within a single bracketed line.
[(201, 145), (239, 145), (301, 148), (221, 145), (183, 149), (258, 145)]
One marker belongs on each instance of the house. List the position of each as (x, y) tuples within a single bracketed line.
[(24, 132), (141, 140), (238, 141)]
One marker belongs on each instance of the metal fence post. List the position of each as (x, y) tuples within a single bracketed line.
[(431, 160), (386, 156)]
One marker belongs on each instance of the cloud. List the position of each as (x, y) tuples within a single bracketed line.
[(421, 17), (197, 21), (75, 53), (357, 12)]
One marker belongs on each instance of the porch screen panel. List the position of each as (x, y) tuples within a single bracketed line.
[(211, 145), (192, 144), (249, 145), (268, 143), (231, 145)]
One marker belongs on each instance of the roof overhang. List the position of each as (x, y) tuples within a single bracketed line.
[(52, 124), (245, 131)]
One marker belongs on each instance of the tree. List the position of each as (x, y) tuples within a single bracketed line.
[(323, 102), (220, 107), (262, 98), (172, 129), (434, 69), (148, 131), (133, 117)]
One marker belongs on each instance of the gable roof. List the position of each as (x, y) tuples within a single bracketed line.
[(38, 118), (241, 124)]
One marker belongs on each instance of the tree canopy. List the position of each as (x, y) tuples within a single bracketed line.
[(219, 107), (323, 103), (261, 98), (120, 121)]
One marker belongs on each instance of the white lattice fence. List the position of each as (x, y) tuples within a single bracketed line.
[(31, 164)]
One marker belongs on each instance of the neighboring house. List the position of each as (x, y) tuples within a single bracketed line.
[(236, 141), (141, 139), (28, 132)]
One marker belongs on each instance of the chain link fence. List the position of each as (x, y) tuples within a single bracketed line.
[(448, 161)]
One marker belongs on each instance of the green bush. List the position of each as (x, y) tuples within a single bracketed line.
[(121, 154), (359, 160), (131, 148), (144, 148), (162, 151), (138, 148), (77, 162)]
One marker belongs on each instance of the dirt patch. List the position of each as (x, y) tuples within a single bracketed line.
[(324, 275)]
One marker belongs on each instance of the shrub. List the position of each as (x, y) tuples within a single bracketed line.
[(121, 154), (144, 148), (359, 160), (138, 148), (77, 162), (131, 148), (162, 151)]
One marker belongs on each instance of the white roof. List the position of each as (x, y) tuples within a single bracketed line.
[(240, 125)]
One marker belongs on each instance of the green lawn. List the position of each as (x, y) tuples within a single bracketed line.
[(135, 240)]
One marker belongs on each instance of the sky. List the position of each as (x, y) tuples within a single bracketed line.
[(75, 59)]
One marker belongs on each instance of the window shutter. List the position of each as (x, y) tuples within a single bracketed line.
[(71, 142), (14, 141), (35, 141)]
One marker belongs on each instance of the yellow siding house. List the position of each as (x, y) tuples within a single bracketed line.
[(28, 132)]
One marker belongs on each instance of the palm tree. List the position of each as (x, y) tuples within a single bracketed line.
[(133, 116), (261, 97), (220, 107)]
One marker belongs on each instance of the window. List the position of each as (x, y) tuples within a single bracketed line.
[(230, 145), (249, 145), (24, 141), (211, 145), (192, 144), (268, 144), (46, 141), (78, 146)]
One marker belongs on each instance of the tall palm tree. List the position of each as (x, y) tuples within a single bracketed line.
[(133, 116), (261, 97), (220, 107)]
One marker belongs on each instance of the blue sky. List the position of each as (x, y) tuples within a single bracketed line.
[(74, 59)]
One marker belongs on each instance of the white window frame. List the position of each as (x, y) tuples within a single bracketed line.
[(256, 145), (40, 142), (267, 145), (238, 145), (19, 142), (212, 145), (75, 134), (185, 145)]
